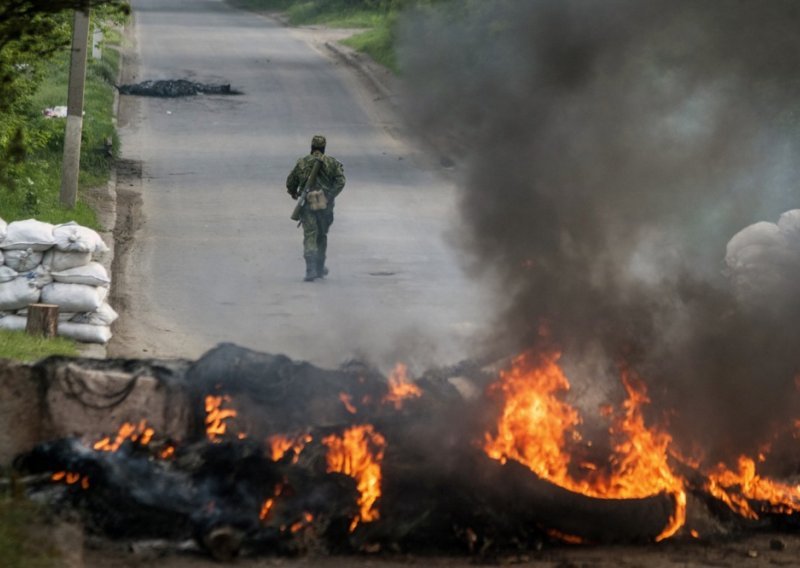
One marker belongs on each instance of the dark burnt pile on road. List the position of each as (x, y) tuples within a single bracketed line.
[(174, 88), (282, 457)]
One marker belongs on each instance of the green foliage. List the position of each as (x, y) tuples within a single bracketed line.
[(378, 42), (31, 186), (33, 35)]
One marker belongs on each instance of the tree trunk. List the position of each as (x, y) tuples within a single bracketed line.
[(42, 320)]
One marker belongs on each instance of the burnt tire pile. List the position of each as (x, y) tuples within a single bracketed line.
[(59, 265)]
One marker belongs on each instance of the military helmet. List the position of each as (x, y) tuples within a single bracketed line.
[(318, 141)]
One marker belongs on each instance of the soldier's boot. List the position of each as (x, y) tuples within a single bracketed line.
[(322, 271), (311, 268)]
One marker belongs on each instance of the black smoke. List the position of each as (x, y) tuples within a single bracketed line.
[(608, 151)]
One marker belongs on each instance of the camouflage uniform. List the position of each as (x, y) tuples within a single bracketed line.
[(331, 180)]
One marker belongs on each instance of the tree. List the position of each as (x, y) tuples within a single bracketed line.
[(31, 31)]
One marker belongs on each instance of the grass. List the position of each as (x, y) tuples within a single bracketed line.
[(39, 177), (377, 40), (23, 347), (19, 547), (378, 43)]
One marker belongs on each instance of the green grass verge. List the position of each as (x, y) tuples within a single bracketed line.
[(20, 547), (38, 178), (378, 43), (23, 347), (377, 40)]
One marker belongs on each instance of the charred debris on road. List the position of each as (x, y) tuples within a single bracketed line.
[(173, 88)]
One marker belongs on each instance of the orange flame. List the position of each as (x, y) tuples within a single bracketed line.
[(302, 523), (216, 416), (347, 400), (358, 453), (737, 488), (140, 433), (266, 507), (400, 387), (280, 444), (536, 425), (71, 478)]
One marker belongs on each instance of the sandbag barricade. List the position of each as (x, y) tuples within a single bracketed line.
[(55, 264)]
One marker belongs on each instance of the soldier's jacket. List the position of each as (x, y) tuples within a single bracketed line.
[(330, 178)]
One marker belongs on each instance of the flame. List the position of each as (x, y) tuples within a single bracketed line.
[(216, 416), (737, 488), (536, 426), (358, 453), (347, 400), (140, 433), (167, 452), (71, 478), (266, 507), (400, 387), (280, 444), (302, 523)]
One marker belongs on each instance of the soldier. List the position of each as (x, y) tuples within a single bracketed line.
[(316, 215)]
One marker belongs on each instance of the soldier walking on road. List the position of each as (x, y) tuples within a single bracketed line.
[(317, 188)]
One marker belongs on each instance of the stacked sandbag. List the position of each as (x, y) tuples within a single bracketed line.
[(55, 265)]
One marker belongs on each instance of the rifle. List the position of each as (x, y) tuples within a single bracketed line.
[(301, 199)]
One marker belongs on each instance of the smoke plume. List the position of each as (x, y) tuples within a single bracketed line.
[(609, 151)]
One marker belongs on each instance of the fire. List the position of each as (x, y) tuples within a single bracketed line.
[(358, 453), (347, 400), (140, 433), (536, 427), (216, 416), (737, 488), (301, 524), (266, 507), (279, 445), (71, 478), (400, 387)]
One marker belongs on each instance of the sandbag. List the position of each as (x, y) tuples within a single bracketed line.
[(23, 260), (56, 260), (71, 237), (3, 230), (85, 332), (93, 274), (13, 323), (74, 297), (105, 315), (39, 276), (62, 316), (7, 274), (18, 293), (28, 234)]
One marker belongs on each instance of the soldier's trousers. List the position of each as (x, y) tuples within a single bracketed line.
[(315, 231)]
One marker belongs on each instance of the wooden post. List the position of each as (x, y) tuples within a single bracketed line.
[(71, 165), (42, 320)]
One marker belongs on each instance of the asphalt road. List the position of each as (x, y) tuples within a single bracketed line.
[(216, 257)]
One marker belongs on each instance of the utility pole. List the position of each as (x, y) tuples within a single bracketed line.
[(72, 138)]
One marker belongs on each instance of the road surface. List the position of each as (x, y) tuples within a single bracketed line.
[(215, 257)]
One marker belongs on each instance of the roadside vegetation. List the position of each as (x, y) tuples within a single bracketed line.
[(30, 180), (34, 71), (23, 347), (378, 18)]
